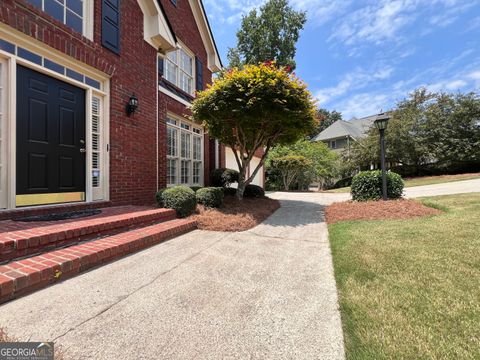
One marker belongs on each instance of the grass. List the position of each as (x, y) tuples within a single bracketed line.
[(410, 289), (424, 180)]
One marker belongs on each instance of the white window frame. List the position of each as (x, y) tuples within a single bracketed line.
[(178, 158), (333, 144), (178, 70), (3, 132), (87, 18)]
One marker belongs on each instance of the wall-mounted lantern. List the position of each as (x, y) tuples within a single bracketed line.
[(132, 105)]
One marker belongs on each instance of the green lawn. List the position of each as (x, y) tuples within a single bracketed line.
[(410, 289), (425, 180)]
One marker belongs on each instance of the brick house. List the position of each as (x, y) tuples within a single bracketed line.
[(68, 71)]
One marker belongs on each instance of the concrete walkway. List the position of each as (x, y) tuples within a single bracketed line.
[(268, 293)]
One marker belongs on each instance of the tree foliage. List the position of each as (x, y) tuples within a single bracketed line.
[(321, 163), (434, 131), (289, 167), (254, 108), (325, 119), (268, 34)]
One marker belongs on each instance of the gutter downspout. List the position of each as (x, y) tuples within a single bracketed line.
[(157, 118)]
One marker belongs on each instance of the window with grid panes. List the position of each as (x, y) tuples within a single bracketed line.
[(184, 153)]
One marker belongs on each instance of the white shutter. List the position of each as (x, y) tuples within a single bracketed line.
[(3, 152), (96, 148)]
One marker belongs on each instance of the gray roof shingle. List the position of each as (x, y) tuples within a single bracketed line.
[(355, 128)]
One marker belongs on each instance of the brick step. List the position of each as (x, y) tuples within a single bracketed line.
[(20, 239), (24, 276)]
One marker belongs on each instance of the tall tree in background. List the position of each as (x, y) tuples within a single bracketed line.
[(268, 34), (428, 132), (325, 119)]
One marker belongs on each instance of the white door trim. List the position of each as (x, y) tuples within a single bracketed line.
[(10, 94)]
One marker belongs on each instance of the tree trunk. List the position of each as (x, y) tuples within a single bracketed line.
[(242, 182), (241, 190)]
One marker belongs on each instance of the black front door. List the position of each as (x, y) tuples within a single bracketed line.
[(50, 140)]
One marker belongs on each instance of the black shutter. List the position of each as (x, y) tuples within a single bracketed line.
[(199, 71), (111, 25), (160, 67)]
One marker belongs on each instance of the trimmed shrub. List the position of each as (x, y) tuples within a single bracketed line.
[(253, 191), (195, 188), (180, 198), (224, 177), (210, 196), (367, 185), (229, 191), (158, 197)]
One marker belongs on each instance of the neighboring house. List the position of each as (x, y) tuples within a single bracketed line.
[(68, 69), (341, 134)]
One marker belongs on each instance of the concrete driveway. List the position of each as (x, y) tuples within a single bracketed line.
[(268, 293), (454, 187), (450, 188)]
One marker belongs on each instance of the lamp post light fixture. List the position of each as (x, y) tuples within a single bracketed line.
[(132, 105), (381, 123)]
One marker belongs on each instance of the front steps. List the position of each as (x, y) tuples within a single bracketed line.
[(85, 242), (19, 239)]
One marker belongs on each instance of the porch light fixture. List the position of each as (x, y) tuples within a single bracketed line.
[(132, 105), (381, 122)]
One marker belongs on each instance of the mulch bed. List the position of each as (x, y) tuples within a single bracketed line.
[(236, 215), (375, 210)]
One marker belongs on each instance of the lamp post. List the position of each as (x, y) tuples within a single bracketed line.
[(381, 123)]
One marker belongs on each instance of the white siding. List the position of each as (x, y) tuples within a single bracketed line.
[(230, 163)]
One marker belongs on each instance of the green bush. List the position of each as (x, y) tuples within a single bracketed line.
[(367, 185), (180, 198), (210, 196), (158, 197), (224, 177), (253, 191), (229, 191), (195, 188)]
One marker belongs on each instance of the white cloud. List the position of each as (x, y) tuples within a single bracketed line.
[(363, 104), (474, 75), (354, 80), (384, 20), (374, 23), (320, 12)]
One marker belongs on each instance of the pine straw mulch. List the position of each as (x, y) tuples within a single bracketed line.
[(377, 210), (235, 215)]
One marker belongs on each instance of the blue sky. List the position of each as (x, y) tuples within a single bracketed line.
[(362, 56)]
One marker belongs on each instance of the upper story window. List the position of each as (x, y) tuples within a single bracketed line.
[(179, 66), (72, 13)]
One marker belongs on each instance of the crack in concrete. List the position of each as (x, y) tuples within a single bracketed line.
[(286, 238), (122, 298)]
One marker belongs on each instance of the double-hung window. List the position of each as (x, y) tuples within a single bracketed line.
[(179, 66), (73, 13), (184, 153)]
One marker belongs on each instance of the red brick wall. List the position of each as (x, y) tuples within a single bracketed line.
[(132, 139), (186, 31)]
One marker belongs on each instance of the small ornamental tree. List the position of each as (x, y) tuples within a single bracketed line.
[(290, 167), (254, 108)]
